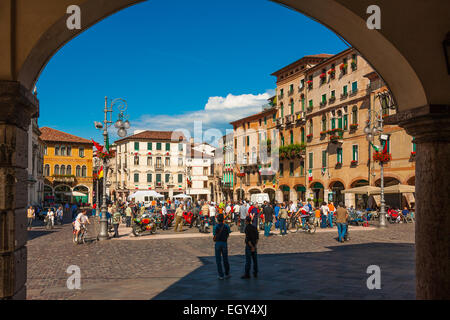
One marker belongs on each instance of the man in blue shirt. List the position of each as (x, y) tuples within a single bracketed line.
[(276, 209), (221, 232)]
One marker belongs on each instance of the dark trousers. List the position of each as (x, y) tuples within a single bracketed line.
[(249, 256), (128, 221), (165, 222), (242, 226), (213, 221), (283, 229), (116, 230), (221, 250)]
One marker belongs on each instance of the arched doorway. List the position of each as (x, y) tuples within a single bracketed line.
[(240, 194), (63, 194), (411, 181), (271, 193), (81, 194), (318, 192), (359, 201), (388, 181), (48, 194), (285, 190), (301, 192), (392, 200), (336, 194)]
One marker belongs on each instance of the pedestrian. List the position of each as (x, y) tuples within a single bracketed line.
[(116, 216), (283, 215), (128, 214), (277, 211), (74, 211), (324, 210), (317, 217), (31, 216), (165, 217), (59, 215), (195, 216), (221, 232), (331, 212), (212, 213), (268, 218), (341, 220), (243, 212), (51, 217), (254, 214), (251, 241), (236, 211), (179, 218)]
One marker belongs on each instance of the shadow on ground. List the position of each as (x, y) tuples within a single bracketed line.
[(339, 273)]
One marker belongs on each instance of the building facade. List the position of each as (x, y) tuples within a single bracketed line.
[(150, 160), (200, 168), (35, 164), (67, 167), (253, 138)]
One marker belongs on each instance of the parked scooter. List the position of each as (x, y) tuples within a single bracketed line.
[(144, 224), (204, 224)]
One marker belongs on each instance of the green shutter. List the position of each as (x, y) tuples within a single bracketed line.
[(303, 104), (345, 90), (340, 123), (303, 135), (149, 146), (167, 146), (292, 108), (345, 122), (136, 146), (282, 111), (158, 146), (310, 160), (333, 123), (292, 138), (324, 159), (136, 177)]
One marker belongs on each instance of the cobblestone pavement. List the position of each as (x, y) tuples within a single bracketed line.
[(295, 266)]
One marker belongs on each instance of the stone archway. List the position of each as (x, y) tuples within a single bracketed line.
[(420, 90), (271, 193)]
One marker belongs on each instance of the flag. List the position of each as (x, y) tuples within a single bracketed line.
[(107, 143), (100, 172), (97, 146), (374, 147)]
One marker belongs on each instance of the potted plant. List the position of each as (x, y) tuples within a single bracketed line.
[(382, 157), (338, 165), (310, 84), (353, 126), (343, 67), (309, 136), (332, 73), (353, 64), (353, 163), (323, 77)]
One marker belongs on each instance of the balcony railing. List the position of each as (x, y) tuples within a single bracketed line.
[(159, 167), (289, 119), (280, 122)]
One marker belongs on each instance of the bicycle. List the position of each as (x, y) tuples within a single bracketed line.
[(307, 225), (81, 236)]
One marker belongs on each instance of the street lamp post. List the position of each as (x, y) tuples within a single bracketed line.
[(371, 131), (122, 124)]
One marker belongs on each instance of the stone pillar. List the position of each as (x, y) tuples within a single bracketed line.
[(279, 195), (430, 126), (293, 195), (17, 106)]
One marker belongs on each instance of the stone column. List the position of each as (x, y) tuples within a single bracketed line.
[(430, 126), (17, 106)]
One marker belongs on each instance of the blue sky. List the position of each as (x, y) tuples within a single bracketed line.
[(177, 62)]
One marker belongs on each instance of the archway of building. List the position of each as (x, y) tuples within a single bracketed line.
[(240, 194), (254, 191), (63, 193), (388, 181), (411, 181), (301, 192), (81, 199), (336, 194), (318, 192), (271, 193), (359, 183), (285, 191), (420, 90)]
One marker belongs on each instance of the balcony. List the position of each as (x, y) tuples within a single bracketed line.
[(280, 122), (323, 103), (300, 117), (353, 92), (290, 92), (159, 184), (159, 167), (289, 119), (344, 95), (301, 88), (332, 100)]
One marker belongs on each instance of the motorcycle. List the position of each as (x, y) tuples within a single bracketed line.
[(204, 224), (144, 224), (187, 217)]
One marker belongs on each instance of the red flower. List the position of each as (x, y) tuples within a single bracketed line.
[(323, 75), (309, 81), (149, 153)]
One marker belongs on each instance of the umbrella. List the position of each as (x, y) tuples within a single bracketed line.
[(182, 196), (363, 190), (78, 194), (400, 188)]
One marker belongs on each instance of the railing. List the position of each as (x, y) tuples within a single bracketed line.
[(280, 121), (159, 167)]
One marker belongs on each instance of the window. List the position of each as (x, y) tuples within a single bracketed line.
[(281, 169), (281, 93), (340, 124), (81, 152), (205, 184), (69, 151), (310, 126), (259, 121), (167, 162), (339, 155), (167, 178), (63, 151), (310, 103), (47, 170), (282, 110), (355, 115), (292, 137), (345, 122), (333, 123), (324, 98), (63, 170), (265, 121), (136, 146), (324, 123), (344, 90), (136, 177), (136, 160), (355, 152), (333, 94), (149, 177), (291, 169), (274, 117), (282, 139), (158, 177), (158, 162), (149, 145), (310, 159), (303, 135), (302, 167), (180, 147), (180, 162), (158, 146), (303, 103), (56, 170), (56, 150), (292, 106), (167, 146), (413, 145), (78, 171), (45, 151), (291, 88), (248, 140), (149, 161), (69, 170), (83, 171), (180, 178), (354, 86), (205, 171), (383, 142), (324, 159)]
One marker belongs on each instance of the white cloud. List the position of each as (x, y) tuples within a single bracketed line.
[(217, 113)]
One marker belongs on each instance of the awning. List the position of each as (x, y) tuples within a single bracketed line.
[(400, 188), (363, 190), (300, 188)]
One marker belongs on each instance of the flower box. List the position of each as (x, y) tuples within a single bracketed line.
[(353, 163), (353, 127), (338, 165), (354, 65), (309, 136), (332, 72), (413, 153), (343, 66), (322, 133), (382, 157)]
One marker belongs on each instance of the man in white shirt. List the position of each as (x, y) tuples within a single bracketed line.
[(212, 213), (293, 207), (51, 217), (81, 219), (324, 210), (165, 218)]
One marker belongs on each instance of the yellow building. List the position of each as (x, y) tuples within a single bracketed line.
[(67, 167)]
